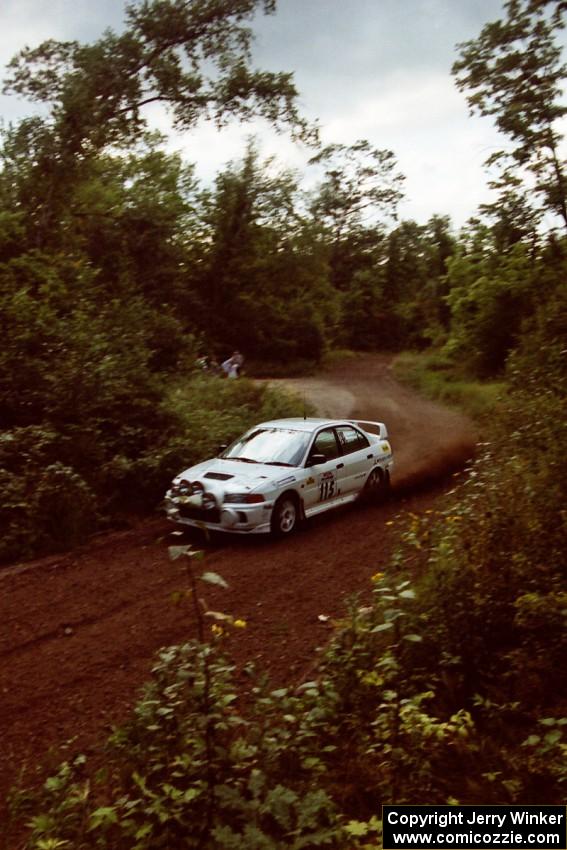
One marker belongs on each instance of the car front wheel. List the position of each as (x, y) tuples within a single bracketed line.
[(285, 516)]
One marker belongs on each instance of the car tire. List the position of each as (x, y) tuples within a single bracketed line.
[(377, 486), (285, 516)]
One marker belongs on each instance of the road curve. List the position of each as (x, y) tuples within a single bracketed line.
[(78, 631)]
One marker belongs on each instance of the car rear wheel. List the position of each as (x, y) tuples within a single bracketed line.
[(285, 516), (377, 485)]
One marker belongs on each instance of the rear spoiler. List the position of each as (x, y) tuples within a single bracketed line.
[(377, 427)]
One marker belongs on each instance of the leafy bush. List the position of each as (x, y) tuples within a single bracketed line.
[(212, 411), (391, 716), (65, 508), (190, 768), (488, 297), (46, 505), (110, 439)]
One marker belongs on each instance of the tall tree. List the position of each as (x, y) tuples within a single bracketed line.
[(514, 72), (360, 187), (192, 56), (261, 281)]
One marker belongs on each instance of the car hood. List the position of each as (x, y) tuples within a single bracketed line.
[(233, 476)]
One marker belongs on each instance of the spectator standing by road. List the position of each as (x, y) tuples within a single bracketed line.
[(233, 365)]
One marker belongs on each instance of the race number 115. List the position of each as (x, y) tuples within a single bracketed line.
[(326, 489)]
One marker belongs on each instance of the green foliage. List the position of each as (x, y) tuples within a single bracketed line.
[(65, 507), (212, 411), (45, 504), (196, 764), (112, 267), (78, 376), (193, 56), (81, 389), (538, 365), (493, 589), (435, 375), (514, 72), (101, 255), (389, 745), (261, 277), (360, 186), (191, 768), (488, 298), (414, 283), (492, 567), (445, 687)]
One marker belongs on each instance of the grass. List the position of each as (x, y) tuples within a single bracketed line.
[(438, 378)]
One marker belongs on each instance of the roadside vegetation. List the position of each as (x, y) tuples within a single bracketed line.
[(436, 376), (117, 270)]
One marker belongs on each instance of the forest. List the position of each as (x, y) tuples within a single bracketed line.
[(118, 270)]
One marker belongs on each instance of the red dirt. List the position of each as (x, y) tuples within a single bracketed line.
[(78, 632)]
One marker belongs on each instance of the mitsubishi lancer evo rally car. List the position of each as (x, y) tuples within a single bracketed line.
[(280, 472)]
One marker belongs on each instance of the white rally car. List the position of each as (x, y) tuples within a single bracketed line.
[(280, 472)]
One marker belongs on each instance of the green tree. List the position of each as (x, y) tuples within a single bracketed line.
[(193, 57), (514, 72), (262, 283), (489, 294), (415, 281), (360, 188)]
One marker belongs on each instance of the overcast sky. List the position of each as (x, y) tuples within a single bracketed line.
[(372, 69)]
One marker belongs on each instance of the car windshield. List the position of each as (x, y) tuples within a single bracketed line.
[(278, 446)]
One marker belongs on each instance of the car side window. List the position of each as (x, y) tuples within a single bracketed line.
[(326, 444), (351, 440)]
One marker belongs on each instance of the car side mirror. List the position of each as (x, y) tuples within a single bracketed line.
[(316, 460)]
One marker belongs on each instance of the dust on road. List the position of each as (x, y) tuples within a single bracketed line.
[(427, 439)]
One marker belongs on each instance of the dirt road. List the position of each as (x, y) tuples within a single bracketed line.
[(78, 632)]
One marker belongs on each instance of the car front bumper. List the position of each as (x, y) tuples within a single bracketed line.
[(236, 519)]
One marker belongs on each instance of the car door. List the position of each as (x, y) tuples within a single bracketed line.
[(322, 486), (358, 457)]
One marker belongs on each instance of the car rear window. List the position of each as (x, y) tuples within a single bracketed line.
[(351, 440)]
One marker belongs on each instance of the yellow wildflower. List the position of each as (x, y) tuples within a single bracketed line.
[(240, 624), (217, 630), (377, 576)]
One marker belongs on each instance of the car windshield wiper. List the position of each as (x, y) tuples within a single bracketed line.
[(277, 463), (243, 459)]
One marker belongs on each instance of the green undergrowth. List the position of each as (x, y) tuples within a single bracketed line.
[(439, 378), (210, 411), (439, 685), (61, 483), (338, 356)]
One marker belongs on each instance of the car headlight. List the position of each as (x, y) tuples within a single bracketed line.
[(244, 498), (181, 488)]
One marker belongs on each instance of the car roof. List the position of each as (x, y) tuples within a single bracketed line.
[(309, 424)]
